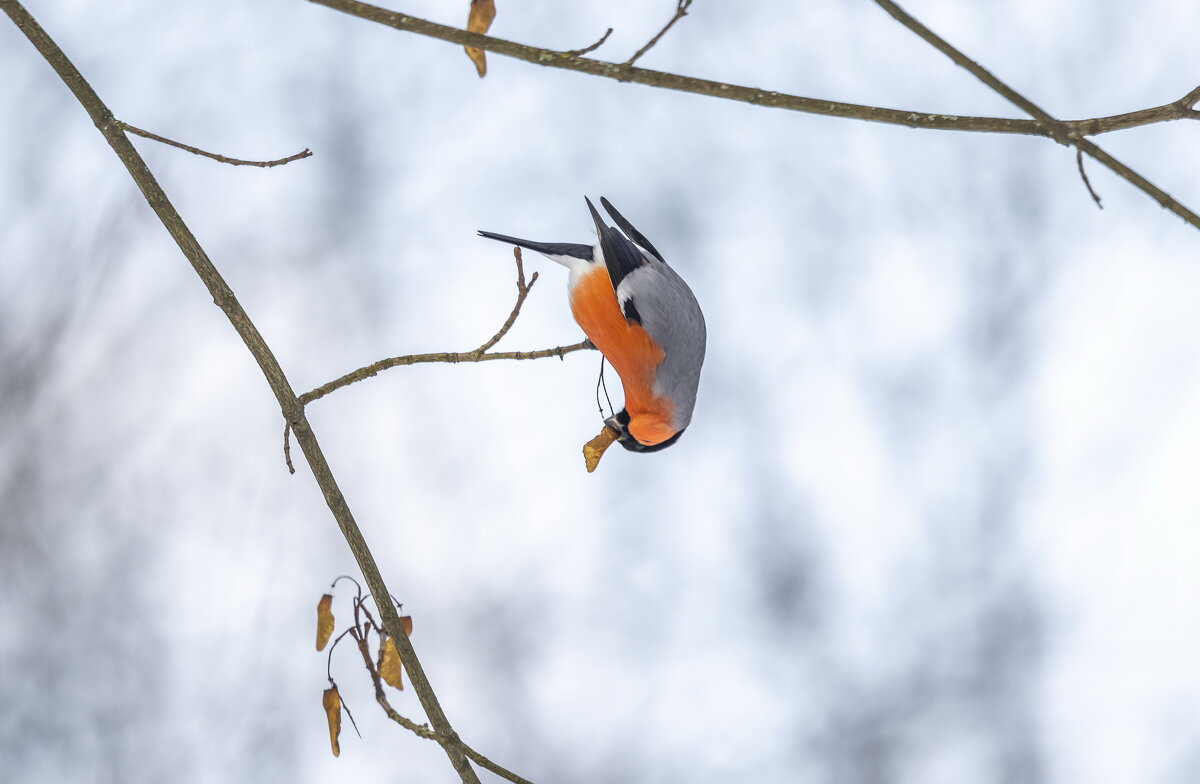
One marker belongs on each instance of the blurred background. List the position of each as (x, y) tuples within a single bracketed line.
[(935, 519)]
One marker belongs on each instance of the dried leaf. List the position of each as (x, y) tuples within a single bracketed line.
[(479, 20), (406, 625), (324, 621), (594, 450), (389, 663), (331, 701)]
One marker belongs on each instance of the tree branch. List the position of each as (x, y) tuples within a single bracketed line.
[(291, 406), (1061, 132), (622, 72), (305, 153)]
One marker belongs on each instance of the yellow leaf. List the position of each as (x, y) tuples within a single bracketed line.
[(331, 701), (389, 663), (406, 625), (324, 620), (479, 20), (594, 450)]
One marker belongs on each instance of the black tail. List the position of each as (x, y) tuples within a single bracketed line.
[(548, 248)]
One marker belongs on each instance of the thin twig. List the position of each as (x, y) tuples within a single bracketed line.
[(593, 47), (1086, 181), (293, 409), (681, 9), (305, 153), (487, 764), (553, 58), (522, 292), (1056, 129), (287, 447)]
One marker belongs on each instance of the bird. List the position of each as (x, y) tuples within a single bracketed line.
[(642, 317)]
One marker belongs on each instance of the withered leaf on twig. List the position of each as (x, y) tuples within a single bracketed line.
[(331, 701), (324, 620), (406, 625), (389, 663), (479, 20), (594, 450)]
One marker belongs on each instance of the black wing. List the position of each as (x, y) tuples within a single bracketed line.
[(628, 228), (620, 255)]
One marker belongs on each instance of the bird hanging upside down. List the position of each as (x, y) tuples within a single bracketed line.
[(645, 321)]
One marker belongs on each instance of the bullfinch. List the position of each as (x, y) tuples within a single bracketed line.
[(642, 317)]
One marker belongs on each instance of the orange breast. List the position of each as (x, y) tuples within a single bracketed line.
[(629, 349)]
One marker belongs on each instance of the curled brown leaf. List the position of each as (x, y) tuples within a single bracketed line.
[(478, 21), (324, 620), (389, 663), (331, 701)]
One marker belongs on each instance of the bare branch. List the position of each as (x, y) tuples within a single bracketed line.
[(1056, 129), (305, 153), (570, 61), (293, 409), (593, 47), (423, 730), (681, 9)]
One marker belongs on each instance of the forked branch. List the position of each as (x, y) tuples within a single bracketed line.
[(481, 354), (423, 730), (1056, 129)]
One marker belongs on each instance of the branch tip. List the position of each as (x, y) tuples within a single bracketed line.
[(592, 48), (681, 9), (305, 153), (1083, 173), (287, 446)]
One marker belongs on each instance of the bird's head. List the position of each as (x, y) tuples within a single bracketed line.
[(619, 422)]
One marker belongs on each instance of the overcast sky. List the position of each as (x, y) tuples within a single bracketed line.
[(936, 518)]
